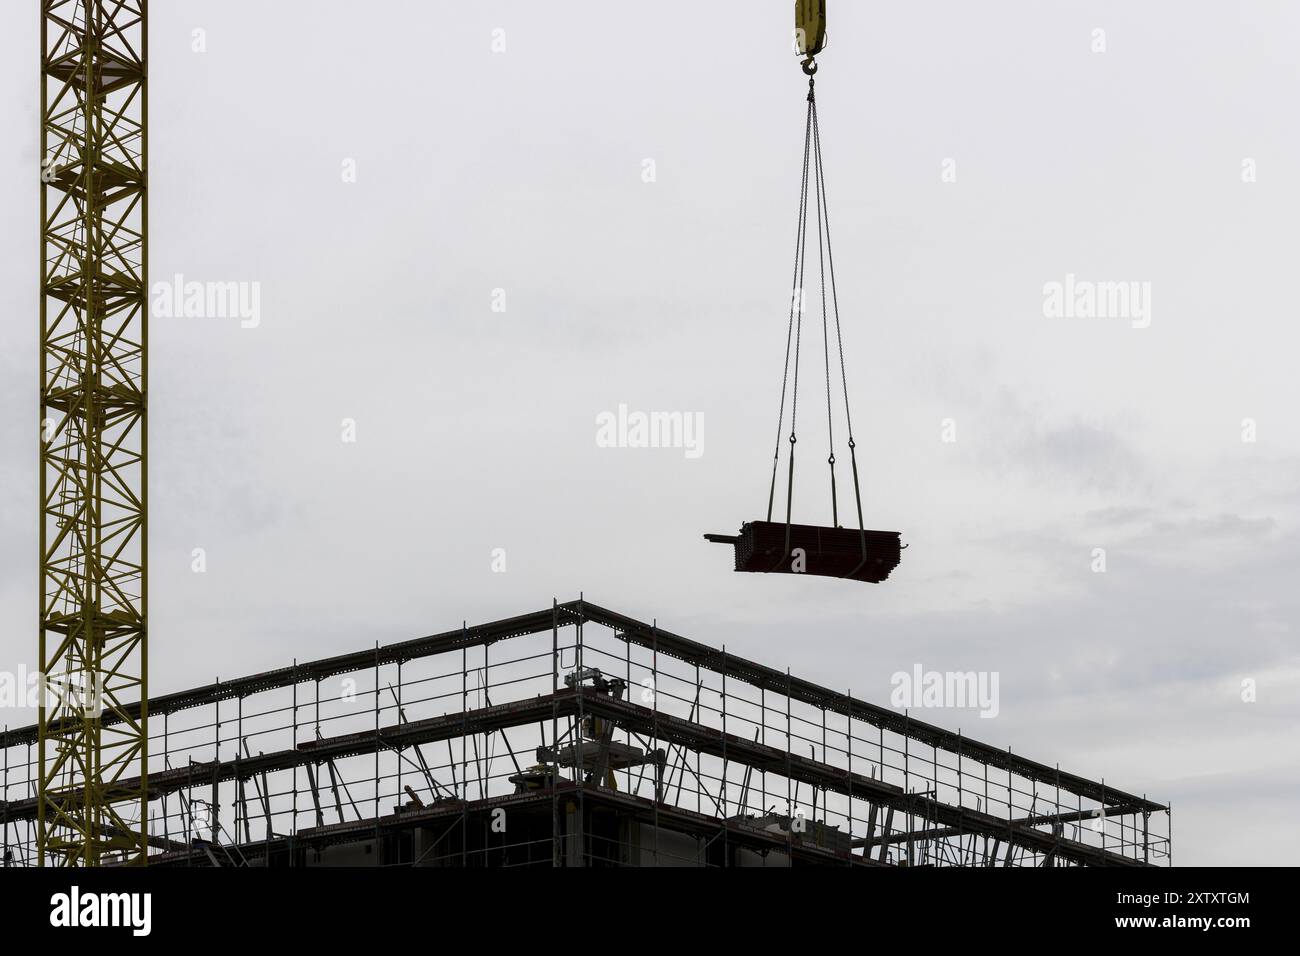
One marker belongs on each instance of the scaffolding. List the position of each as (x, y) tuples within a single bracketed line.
[(577, 736)]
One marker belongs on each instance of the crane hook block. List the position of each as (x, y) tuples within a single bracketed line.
[(809, 28)]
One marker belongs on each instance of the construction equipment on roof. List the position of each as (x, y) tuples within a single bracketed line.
[(785, 547)]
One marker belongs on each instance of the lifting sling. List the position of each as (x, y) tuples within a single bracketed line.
[(786, 547)]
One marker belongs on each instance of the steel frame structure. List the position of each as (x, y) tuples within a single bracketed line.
[(92, 778), (592, 739)]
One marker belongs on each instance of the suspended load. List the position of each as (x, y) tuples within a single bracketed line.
[(833, 552), (785, 547)]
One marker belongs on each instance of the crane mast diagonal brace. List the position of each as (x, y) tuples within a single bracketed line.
[(93, 775)]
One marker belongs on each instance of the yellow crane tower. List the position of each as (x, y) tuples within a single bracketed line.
[(92, 799)]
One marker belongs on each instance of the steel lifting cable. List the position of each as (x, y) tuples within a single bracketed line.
[(796, 281), (839, 337), (826, 339), (826, 264)]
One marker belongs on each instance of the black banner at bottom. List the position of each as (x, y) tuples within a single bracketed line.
[(348, 904)]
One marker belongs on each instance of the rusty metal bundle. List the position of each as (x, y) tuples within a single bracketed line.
[(852, 553)]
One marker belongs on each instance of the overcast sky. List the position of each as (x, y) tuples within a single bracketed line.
[(1168, 160)]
